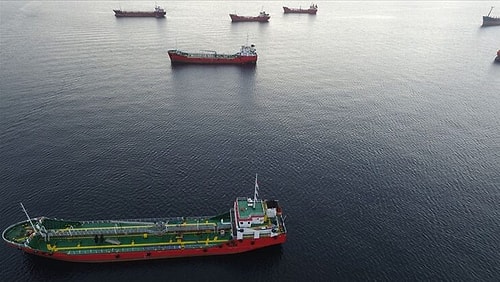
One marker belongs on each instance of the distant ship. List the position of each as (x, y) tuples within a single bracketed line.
[(313, 8), (246, 55), (249, 224), (262, 17), (489, 21), (497, 59), (157, 13)]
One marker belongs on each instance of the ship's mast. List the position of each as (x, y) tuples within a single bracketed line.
[(29, 219), (490, 10), (256, 191)]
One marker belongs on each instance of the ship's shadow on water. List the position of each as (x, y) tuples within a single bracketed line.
[(178, 268), (183, 73)]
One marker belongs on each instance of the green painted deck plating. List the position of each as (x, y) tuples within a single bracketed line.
[(81, 237), (250, 224)]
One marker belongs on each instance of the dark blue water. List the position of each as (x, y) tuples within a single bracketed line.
[(376, 124)]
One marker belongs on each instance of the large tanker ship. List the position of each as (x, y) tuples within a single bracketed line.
[(246, 55), (157, 13), (250, 224)]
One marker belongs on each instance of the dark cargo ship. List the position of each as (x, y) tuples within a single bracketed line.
[(490, 21), (312, 10), (157, 13)]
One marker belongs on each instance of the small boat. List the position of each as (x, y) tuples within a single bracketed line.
[(249, 224), (497, 59), (490, 21), (246, 55), (262, 17), (157, 13), (313, 8)]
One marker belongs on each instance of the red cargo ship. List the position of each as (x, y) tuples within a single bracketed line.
[(246, 55), (157, 13), (312, 10), (262, 17), (248, 225)]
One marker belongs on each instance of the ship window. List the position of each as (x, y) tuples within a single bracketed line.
[(241, 222), (249, 222)]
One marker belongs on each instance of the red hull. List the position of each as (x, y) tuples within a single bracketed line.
[(247, 55), (175, 58), (233, 247), (236, 18)]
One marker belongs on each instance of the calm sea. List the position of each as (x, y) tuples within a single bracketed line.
[(376, 125)]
